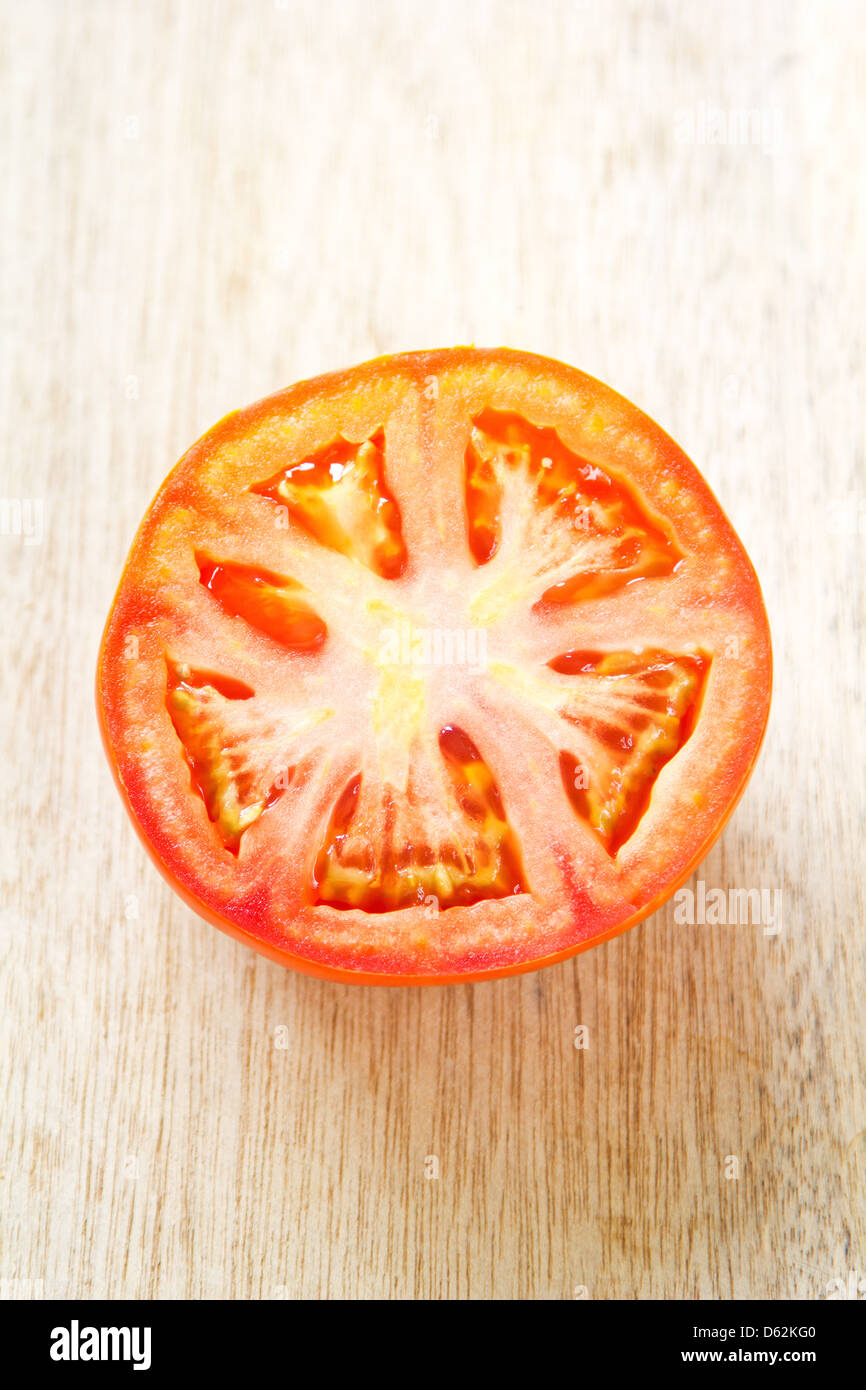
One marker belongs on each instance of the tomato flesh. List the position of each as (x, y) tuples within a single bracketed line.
[(442, 668)]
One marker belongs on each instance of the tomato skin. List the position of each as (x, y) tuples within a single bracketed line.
[(233, 429)]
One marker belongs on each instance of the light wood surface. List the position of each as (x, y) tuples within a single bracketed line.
[(203, 202)]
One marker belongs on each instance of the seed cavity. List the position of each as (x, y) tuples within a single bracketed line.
[(241, 759), (610, 787), (275, 604), (381, 853), (529, 498), (339, 495)]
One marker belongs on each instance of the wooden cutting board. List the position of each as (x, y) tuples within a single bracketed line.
[(206, 201)]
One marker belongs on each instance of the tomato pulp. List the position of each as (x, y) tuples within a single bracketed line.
[(442, 668)]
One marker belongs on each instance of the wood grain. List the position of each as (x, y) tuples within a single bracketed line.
[(206, 201)]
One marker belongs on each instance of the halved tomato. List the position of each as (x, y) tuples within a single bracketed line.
[(442, 668)]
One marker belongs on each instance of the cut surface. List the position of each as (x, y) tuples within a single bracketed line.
[(644, 706), (563, 520), (388, 855), (237, 752), (339, 495), (405, 684), (270, 602)]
